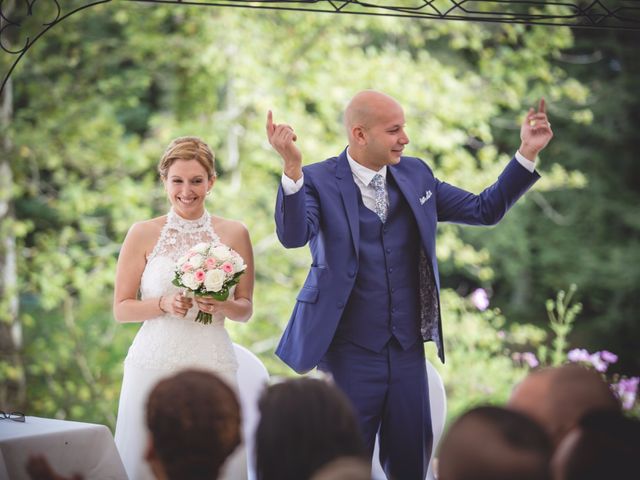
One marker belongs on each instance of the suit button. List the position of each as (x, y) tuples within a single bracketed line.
[(393, 310), (393, 290), (340, 305), (352, 273), (388, 250), (390, 269)]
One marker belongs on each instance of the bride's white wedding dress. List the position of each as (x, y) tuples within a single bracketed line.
[(168, 343)]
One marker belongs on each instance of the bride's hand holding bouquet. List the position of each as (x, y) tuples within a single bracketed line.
[(209, 271)]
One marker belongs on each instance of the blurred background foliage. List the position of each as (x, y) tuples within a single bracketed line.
[(95, 101)]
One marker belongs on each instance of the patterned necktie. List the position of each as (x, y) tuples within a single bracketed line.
[(377, 182)]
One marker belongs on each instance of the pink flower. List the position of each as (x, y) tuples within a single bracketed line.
[(480, 299), (227, 267), (186, 267), (199, 275), (210, 263)]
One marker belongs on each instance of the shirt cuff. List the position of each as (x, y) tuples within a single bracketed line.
[(289, 187), (525, 162)]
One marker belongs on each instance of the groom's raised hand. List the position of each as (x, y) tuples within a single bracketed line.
[(535, 132), (282, 138)]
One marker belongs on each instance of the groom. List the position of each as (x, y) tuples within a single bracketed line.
[(371, 296)]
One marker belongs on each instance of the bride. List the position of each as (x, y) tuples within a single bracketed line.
[(169, 339)]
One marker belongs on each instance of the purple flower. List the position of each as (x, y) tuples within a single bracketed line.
[(608, 356), (578, 355), (526, 357), (531, 359), (597, 362), (480, 299), (627, 389)]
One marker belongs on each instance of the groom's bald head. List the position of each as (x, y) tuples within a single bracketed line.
[(366, 108)]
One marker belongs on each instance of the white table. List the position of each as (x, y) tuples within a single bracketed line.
[(70, 447)]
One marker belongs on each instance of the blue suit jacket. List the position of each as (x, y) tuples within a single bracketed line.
[(325, 214)]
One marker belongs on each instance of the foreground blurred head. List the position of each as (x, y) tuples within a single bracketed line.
[(304, 424), (557, 397), (194, 423), (604, 444), (494, 443)]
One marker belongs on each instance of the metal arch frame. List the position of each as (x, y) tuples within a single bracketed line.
[(592, 14)]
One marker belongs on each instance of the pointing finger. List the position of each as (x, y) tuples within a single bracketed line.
[(270, 126), (542, 106)]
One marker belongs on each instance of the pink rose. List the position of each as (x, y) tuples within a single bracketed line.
[(186, 267), (227, 267), (210, 263), (199, 275)]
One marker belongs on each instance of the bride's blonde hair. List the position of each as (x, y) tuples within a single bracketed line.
[(187, 148)]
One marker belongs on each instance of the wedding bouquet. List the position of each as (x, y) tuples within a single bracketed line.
[(209, 270)]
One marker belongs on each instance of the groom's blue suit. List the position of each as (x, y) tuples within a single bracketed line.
[(372, 290)]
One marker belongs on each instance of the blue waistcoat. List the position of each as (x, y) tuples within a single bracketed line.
[(384, 299)]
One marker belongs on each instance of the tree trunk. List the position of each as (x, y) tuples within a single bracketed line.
[(12, 377)]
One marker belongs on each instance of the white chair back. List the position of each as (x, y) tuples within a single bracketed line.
[(253, 376), (438, 407)]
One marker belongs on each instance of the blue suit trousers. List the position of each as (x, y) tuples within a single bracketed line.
[(389, 392)]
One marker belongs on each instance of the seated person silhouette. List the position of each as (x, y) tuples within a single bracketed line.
[(604, 444), (305, 423), (494, 443), (557, 397), (194, 423)]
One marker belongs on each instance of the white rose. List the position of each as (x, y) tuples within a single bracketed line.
[(182, 260), (196, 261), (213, 280), (221, 252), (201, 248), (189, 281), (238, 264)]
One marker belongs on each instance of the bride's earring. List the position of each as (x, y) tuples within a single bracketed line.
[(208, 192)]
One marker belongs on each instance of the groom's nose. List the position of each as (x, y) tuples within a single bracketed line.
[(404, 138)]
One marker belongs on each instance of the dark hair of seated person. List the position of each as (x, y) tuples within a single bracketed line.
[(494, 443), (305, 423), (194, 422), (603, 445)]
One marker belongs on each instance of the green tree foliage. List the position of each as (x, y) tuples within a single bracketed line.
[(100, 96), (585, 229)]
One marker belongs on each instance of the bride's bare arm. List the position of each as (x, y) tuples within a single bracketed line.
[(127, 307), (240, 307)]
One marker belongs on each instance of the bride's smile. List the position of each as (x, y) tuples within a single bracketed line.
[(187, 184)]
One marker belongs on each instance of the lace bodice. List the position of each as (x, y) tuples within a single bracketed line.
[(179, 234), (172, 342)]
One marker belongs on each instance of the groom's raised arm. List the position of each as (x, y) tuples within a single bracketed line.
[(488, 208), (297, 206)]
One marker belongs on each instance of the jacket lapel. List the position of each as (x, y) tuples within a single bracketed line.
[(347, 188), (411, 196)]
